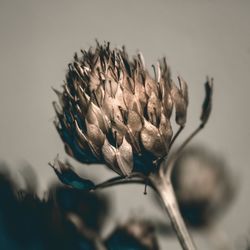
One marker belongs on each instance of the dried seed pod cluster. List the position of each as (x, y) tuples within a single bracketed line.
[(113, 112)]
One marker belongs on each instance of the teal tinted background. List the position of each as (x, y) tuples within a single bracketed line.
[(198, 38)]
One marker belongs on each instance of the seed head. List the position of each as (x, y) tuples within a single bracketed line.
[(113, 111)]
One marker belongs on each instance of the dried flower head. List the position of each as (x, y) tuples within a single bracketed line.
[(113, 112)]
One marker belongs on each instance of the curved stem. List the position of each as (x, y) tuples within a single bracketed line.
[(175, 136), (175, 155), (161, 159), (165, 190), (120, 182)]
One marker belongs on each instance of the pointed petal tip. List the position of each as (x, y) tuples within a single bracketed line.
[(67, 176), (207, 103)]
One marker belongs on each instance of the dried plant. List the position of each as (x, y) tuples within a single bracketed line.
[(113, 112)]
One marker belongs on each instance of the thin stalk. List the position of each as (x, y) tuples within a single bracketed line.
[(161, 159), (175, 136), (175, 155), (165, 191), (119, 182)]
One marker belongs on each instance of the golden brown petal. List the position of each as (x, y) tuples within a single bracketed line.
[(124, 158), (152, 140)]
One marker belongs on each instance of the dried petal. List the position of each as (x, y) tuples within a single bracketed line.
[(118, 125), (94, 82), (151, 139), (181, 102), (112, 108), (110, 87), (60, 97), (57, 109), (95, 116), (124, 158), (119, 97), (165, 130), (131, 101), (66, 175), (150, 85), (95, 135), (99, 95), (109, 154), (82, 137), (154, 109), (134, 121), (167, 104), (84, 100), (140, 92)]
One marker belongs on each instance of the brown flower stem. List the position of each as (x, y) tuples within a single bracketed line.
[(175, 136), (175, 155), (165, 190), (119, 182)]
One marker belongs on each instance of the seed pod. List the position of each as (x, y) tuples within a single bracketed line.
[(180, 97), (113, 112)]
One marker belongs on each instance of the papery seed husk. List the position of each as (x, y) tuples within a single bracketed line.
[(112, 111)]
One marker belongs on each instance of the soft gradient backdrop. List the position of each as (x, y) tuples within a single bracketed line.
[(198, 38)]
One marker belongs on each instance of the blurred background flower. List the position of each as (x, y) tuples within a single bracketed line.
[(64, 218), (204, 185)]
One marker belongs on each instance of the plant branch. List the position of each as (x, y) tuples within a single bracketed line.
[(175, 136), (166, 193), (175, 155), (158, 161), (116, 181)]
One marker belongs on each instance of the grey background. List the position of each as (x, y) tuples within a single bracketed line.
[(198, 38)]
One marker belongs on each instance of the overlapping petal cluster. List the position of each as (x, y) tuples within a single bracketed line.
[(113, 111)]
